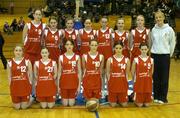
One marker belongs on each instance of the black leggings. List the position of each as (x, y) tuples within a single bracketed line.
[(161, 76)]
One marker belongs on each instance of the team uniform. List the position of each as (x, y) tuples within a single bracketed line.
[(52, 42), (45, 87), (118, 82), (123, 37), (73, 34), (92, 83), (105, 42), (32, 43), (143, 80), (138, 38), (85, 37), (69, 76), (20, 87)]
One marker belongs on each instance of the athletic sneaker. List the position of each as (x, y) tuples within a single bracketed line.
[(160, 102), (156, 101)]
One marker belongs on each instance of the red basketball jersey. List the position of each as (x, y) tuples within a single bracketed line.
[(85, 38), (105, 42), (52, 42), (20, 85), (45, 81), (69, 74), (32, 44), (118, 79), (92, 75), (124, 39), (71, 35), (139, 37), (143, 77)]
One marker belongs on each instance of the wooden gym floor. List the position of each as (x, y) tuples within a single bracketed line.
[(170, 110)]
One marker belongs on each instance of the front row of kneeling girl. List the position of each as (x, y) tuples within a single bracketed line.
[(65, 76)]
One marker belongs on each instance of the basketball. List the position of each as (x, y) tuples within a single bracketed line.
[(92, 104)]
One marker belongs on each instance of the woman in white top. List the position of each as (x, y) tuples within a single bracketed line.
[(163, 44)]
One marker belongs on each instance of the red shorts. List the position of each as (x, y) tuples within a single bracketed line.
[(92, 93), (117, 97), (46, 99), (68, 93), (18, 99), (32, 57), (142, 97)]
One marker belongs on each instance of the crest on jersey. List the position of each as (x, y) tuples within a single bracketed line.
[(56, 37), (39, 31), (73, 37), (73, 63)]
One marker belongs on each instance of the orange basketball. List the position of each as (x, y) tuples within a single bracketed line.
[(92, 104)]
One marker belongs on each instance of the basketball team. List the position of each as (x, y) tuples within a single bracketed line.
[(56, 61)]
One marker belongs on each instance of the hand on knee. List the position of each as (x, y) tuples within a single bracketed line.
[(124, 104), (139, 104), (17, 106), (71, 102), (43, 105), (113, 104)]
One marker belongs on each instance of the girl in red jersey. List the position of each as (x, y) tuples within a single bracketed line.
[(138, 35), (142, 69), (93, 64), (70, 33), (86, 34), (20, 77), (45, 71), (117, 68), (104, 37), (121, 35), (69, 74), (32, 37), (52, 38)]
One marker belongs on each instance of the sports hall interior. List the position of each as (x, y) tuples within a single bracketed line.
[(169, 110)]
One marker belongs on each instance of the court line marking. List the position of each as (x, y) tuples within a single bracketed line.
[(97, 114), (102, 107)]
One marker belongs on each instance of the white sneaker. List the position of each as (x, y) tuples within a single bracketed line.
[(160, 102), (156, 101)]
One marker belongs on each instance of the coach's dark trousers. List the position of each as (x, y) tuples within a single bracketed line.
[(161, 76), (3, 59)]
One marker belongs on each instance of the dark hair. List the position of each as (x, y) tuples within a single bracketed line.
[(70, 40), (93, 40), (143, 44), (37, 9), (120, 18), (53, 17), (118, 43), (69, 18), (44, 47)]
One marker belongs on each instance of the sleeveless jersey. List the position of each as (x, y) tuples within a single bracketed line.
[(118, 79), (32, 44), (20, 84), (45, 82), (105, 43), (85, 38), (71, 35), (143, 77), (139, 37), (52, 42), (92, 75), (69, 75), (124, 39)]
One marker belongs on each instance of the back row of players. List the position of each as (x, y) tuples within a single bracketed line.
[(86, 54)]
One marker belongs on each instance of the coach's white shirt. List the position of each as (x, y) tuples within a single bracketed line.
[(163, 40)]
